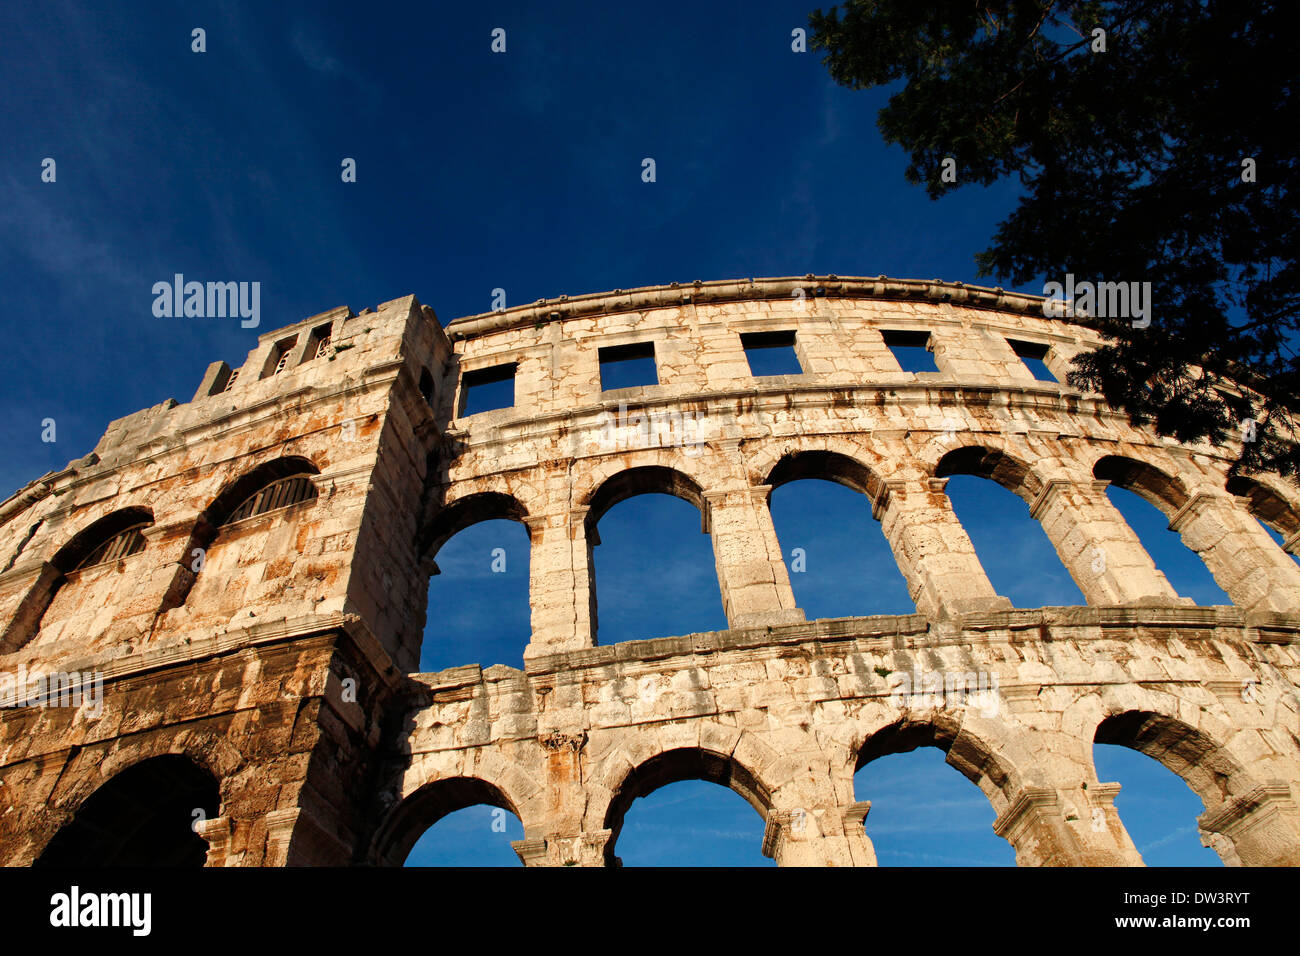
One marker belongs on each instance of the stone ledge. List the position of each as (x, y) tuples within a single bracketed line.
[(505, 425), (970, 628), (185, 651), (675, 295)]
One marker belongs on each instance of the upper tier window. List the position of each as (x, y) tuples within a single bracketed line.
[(120, 545), (278, 494)]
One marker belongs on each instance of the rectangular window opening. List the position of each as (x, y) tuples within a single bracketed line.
[(487, 389), (1034, 356), (279, 358), (319, 344), (912, 349), (771, 353), (628, 366)]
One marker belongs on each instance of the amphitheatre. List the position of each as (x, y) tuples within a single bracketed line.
[(248, 574)]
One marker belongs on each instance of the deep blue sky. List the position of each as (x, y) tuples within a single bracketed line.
[(476, 171)]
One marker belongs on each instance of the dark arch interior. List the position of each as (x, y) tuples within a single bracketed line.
[(1164, 492), (144, 816), (672, 767), (1266, 505), (827, 465), (422, 809), (248, 485), (1009, 472), (975, 762), (76, 550), (27, 620), (1185, 751)]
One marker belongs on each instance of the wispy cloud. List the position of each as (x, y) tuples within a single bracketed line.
[(311, 50)]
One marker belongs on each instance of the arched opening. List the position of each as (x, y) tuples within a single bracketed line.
[(922, 813), (268, 487), (653, 571), (86, 570), (462, 821), (1275, 514), (990, 493), (272, 488), (143, 816), (1157, 808), (478, 608), (1160, 812), (838, 558), (1148, 499), (690, 823)]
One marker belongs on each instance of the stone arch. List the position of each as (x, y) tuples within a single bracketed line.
[(980, 749), (1208, 768), (763, 456), (240, 488), (1238, 554), (210, 750), (640, 480), (1017, 475), (590, 475), (829, 465), (26, 622), (85, 541), (852, 472), (984, 762), (627, 483), (423, 808), (450, 520), (673, 766), (1156, 485), (1267, 504), (207, 527), (142, 815), (996, 464), (470, 510), (520, 485)]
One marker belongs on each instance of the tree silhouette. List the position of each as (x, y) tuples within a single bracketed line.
[(1154, 142)]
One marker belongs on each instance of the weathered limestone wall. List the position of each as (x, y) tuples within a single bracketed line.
[(795, 711), (282, 661)]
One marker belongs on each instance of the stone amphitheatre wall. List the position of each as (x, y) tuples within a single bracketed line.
[(283, 666)]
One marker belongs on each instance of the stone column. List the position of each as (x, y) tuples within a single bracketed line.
[(830, 836), (560, 587), (585, 848), (751, 573), (217, 833), (1097, 546), (1058, 827), (279, 836), (1244, 560), (560, 839), (944, 575), (1259, 828)]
